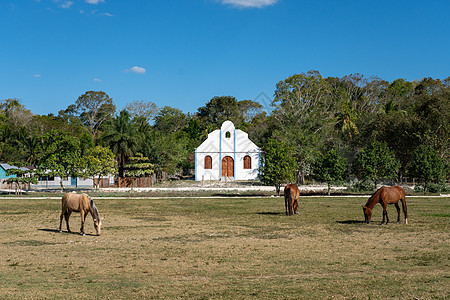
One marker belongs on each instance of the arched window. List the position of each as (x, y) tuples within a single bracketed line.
[(208, 162), (227, 134), (247, 162)]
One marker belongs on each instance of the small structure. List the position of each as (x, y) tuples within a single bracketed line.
[(71, 182), (4, 167), (227, 153)]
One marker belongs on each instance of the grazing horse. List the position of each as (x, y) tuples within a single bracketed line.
[(386, 195), (83, 204), (291, 195)]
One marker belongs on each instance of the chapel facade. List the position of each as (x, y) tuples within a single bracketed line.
[(227, 153)]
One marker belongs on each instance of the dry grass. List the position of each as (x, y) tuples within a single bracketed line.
[(227, 248)]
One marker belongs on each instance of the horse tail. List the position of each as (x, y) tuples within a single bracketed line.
[(288, 198), (405, 210)]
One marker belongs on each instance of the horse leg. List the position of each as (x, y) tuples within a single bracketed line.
[(405, 211), (286, 205), (398, 212), (385, 216), (290, 206), (83, 219), (60, 221), (66, 217), (296, 206)]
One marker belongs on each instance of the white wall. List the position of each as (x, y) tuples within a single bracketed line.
[(237, 145)]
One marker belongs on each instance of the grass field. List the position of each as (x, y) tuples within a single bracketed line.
[(226, 248)]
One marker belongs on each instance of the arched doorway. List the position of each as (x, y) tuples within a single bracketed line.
[(227, 166)]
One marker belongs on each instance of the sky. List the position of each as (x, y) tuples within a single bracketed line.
[(183, 53)]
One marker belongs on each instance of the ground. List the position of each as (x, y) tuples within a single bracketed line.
[(219, 247)]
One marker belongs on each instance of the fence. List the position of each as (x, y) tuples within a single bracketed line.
[(127, 182)]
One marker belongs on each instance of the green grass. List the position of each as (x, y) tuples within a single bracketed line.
[(225, 248)]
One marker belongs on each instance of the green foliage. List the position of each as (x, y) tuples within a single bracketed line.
[(60, 155), (428, 167), (139, 166), (278, 165), (94, 108), (220, 109), (140, 109), (376, 161), (331, 168), (21, 177), (98, 161), (170, 119), (303, 115), (167, 152), (310, 113), (122, 136)]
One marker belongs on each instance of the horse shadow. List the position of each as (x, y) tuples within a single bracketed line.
[(350, 222), (270, 213), (63, 232)]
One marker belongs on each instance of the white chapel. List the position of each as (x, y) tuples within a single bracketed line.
[(227, 153)]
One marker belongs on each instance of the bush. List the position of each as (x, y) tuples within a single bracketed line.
[(433, 188), (358, 186)]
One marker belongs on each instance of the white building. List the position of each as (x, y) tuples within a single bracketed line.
[(227, 153)]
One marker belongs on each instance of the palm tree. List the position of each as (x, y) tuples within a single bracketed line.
[(346, 120), (122, 136)]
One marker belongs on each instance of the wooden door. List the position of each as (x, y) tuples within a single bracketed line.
[(227, 167)]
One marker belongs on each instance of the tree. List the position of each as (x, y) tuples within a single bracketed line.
[(60, 155), (427, 166), (139, 166), (249, 109), (98, 161), (331, 168), (123, 138), (304, 114), (431, 105), (95, 108), (140, 109), (278, 164), (375, 161), (166, 151), (170, 120), (220, 109), (15, 112)]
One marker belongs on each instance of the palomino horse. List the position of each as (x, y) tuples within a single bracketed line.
[(386, 195), (83, 204), (291, 195)]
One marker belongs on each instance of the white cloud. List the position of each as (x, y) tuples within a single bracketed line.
[(37, 76), (249, 3), (106, 14), (137, 70), (64, 3), (95, 2), (97, 80)]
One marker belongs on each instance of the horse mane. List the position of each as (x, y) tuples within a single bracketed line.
[(370, 202), (93, 207)]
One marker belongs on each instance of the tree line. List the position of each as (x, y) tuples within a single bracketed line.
[(329, 129)]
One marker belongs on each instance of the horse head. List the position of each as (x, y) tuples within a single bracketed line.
[(367, 214), (98, 226)]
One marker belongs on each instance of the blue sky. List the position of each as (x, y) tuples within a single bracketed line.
[(183, 53)]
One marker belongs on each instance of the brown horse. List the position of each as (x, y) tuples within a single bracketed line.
[(386, 195), (291, 195), (83, 204)]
